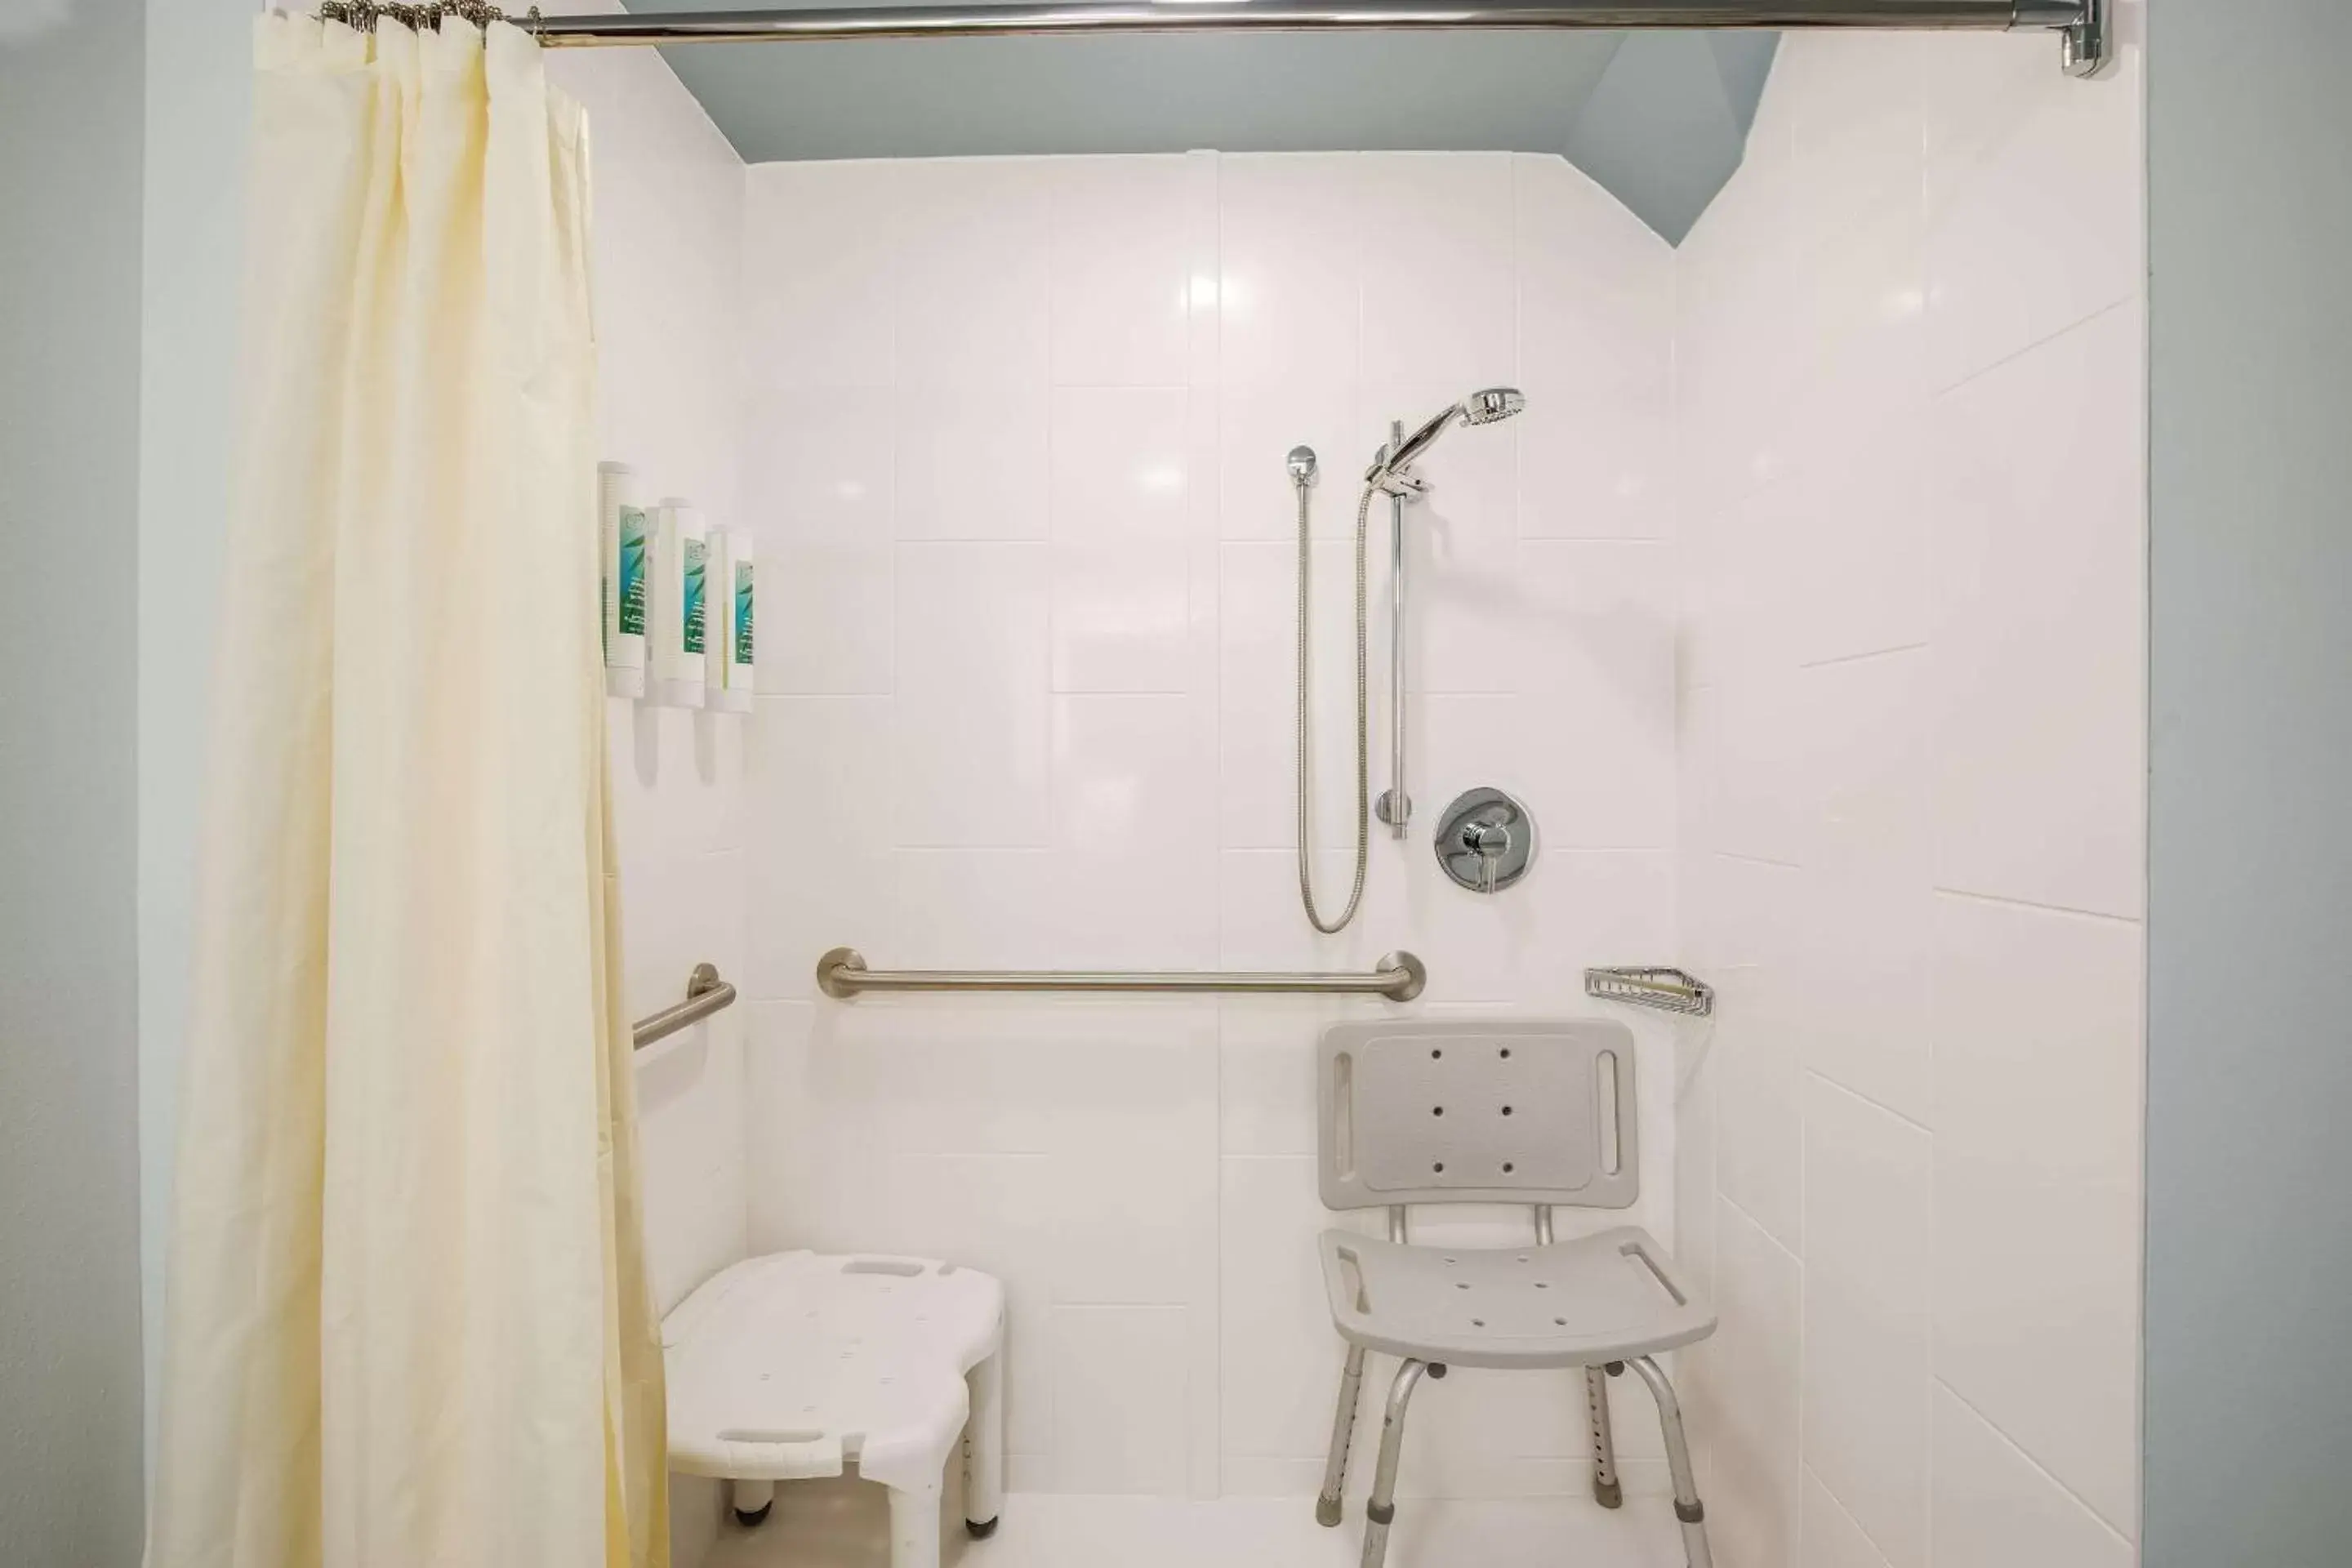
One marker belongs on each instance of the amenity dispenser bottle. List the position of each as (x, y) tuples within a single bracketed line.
[(622, 538), (680, 619), (731, 663)]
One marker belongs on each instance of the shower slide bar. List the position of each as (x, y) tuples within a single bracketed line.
[(705, 994), (2083, 23), (1399, 976)]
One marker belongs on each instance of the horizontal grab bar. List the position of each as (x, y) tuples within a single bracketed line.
[(843, 974), (705, 994)]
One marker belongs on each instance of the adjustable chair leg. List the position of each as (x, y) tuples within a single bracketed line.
[(1380, 1512), (1606, 1489), (1343, 1431), (1687, 1508)]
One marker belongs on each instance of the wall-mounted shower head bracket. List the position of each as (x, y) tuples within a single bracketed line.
[(2089, 43)]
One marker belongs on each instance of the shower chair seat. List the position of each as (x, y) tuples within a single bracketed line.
[(1592, 1301), (1415, 1111), (794, 1366)]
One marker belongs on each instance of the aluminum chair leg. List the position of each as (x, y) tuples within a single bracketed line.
[(1606, 1489), (1380, 1512), (1343, 1432), (1687, 1508)]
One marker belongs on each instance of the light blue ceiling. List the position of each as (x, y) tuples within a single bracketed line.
[(1659, 119)]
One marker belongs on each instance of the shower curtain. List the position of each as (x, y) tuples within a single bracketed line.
[(408, 1319)]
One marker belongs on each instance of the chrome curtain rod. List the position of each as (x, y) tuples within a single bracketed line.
[(843, 974), (2084, 23)]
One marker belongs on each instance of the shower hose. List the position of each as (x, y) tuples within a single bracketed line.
[(1363, 731)]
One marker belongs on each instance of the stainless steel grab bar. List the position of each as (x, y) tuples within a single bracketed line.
[(842, 973), (705, 994)]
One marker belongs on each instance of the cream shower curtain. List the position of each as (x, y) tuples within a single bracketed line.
[(408, 1321)]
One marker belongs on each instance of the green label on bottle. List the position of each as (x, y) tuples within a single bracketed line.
[(632, 572), (698, 556), (743, 612)]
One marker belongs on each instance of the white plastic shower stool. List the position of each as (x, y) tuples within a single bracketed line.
[(785, 1367)]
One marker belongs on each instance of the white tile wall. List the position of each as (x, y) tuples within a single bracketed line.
[(669, 205), (1806, 597), (669, 202), (1028, 701), (1910, 357)]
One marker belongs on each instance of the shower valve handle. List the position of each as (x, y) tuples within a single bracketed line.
[(1490, 841)]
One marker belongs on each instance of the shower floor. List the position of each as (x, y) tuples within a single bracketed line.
[(840, 1524)]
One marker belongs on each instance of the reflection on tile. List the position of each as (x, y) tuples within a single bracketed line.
[(1121, 464), (1291, 250)]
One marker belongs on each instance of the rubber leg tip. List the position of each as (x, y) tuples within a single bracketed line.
[(1609, 1494), (1327, 1512), (757, 1516), (979, 1529)]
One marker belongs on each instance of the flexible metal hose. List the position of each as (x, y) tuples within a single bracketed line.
[(1363, 729)]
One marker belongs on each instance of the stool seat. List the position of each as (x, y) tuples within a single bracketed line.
[(796, 1365), (1587, 1302)]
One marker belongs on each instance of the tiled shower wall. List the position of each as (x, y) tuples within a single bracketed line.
[(1015, 436), (669, 202), (1911, 354)]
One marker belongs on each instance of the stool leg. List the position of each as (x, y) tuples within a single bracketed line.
[(983, 1448), (1687, 1508), (1343, 1432), (1606, 1489), (915, 1527), (753, 1499), (1380, 1512)]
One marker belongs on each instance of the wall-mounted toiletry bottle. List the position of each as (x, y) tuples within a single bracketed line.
[(681, 603), (732, 644), (623, 543), (716, 575)]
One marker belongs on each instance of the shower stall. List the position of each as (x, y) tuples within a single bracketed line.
[(1748, 588), (1788, 575)]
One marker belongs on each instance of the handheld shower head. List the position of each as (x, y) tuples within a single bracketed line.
[(1490, 406)]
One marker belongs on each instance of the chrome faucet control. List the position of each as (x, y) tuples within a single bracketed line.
[(1486, 841)]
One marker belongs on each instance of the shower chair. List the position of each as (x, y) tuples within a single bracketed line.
[(1418, 1111)]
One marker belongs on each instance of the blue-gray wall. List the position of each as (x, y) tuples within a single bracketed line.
[(2249, 1394), (70, 121), (1660, 119)]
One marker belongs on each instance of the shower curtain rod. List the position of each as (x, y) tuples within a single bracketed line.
[(2083, 23)]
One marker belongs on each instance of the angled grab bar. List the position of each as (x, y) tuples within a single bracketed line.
[(705, 994)]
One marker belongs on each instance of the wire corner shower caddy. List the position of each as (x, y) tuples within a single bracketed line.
[(1662, 990), (2083, 25)]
